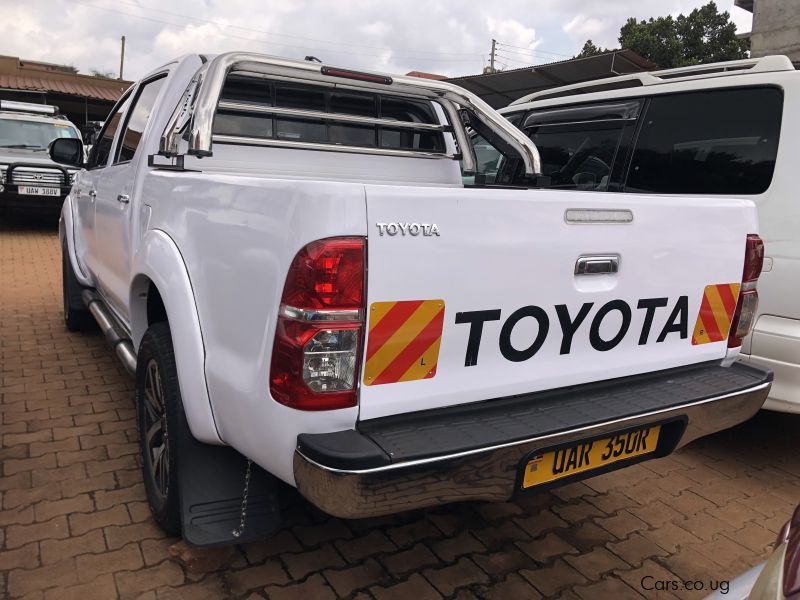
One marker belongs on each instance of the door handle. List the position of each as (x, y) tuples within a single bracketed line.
[(597, 265), (123, 198), (92, 193)]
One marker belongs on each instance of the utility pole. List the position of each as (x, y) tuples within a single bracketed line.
[(122, 57), (491, 60)]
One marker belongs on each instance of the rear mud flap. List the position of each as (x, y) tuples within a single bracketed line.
[(212, 481)]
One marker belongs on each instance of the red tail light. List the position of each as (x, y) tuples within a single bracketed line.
[(315, 359), (746, 307)]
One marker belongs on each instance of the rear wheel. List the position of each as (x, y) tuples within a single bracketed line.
[(76, 316), (160, 415)]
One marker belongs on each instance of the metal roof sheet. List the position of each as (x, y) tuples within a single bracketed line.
[(501, 88), (72, 88)]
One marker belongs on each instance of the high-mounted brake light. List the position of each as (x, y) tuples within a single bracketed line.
[(746, 307), (315, 359), (359, 75)]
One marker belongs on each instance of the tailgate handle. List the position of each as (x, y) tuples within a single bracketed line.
[(597, 265)]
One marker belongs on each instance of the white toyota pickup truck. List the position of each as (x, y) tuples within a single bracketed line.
[(285, 256)]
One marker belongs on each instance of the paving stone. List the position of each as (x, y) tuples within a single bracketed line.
[(544, 549), (554, 578), (415, 587), (515, 587), (313, 588), (596, 563), (367, 545), (463, 573), (409, 560), (60, 574), (257, 577), (450, 548), (75, 522), (346, 581), (127, 558), (132, 583), (56, 550), (302, 564)]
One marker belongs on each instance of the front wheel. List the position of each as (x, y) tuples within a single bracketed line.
[(160, 415)]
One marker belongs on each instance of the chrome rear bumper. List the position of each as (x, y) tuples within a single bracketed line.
[(492, 473)]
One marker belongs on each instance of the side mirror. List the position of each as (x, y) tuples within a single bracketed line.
[(66, 151)]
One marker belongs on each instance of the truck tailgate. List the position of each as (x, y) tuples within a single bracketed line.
[(473, 293)]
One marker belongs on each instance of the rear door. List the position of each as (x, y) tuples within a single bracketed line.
[(483, 293)]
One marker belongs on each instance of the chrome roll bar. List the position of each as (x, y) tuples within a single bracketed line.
[(195, 113)]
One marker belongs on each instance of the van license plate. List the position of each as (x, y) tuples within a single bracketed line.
[(39, 191), (583, 457)]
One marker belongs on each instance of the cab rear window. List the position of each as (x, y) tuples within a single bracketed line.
[(296, 116)]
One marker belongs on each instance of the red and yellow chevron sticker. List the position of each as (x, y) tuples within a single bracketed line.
[(403, 342), (716, 313)]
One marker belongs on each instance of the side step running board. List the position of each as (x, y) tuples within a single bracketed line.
[(220, 502), (111, 329)]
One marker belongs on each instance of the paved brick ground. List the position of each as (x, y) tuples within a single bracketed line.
[(74, 522)]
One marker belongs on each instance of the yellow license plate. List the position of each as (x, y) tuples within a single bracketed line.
[(582, 457)]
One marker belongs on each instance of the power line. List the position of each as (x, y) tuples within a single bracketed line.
[(530, 55), (513, 59), (532, 50), (423, 54)]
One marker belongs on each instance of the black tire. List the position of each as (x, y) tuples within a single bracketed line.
[(76, 316), (160, 419)]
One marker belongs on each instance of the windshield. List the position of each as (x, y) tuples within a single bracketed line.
[(36, 135)]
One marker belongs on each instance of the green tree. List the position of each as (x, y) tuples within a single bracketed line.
[(704, 35), (589, 49), (102, 73)]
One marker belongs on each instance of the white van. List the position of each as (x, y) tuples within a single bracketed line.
[(729, 129)]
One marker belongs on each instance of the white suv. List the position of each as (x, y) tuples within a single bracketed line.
[(725, 129)]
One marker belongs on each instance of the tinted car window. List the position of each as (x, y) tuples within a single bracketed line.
[(577, 159), (252, 125), (313, 128), (351, 103), (403, 109), (247, 90), (102, 149), (304, 97), (711, 142), (137, 119)]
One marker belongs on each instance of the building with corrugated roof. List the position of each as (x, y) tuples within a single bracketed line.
[(82, 98), (501, 88)]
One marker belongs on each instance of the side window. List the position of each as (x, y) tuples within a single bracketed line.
[(579, 145), (711, 142), (137, 119), (293, 116), (489, 161), (102, 147), (577, 159)]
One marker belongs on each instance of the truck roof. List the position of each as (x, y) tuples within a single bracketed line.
[(630, 84)]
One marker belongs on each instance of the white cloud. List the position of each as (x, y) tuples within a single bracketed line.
[(451, 37), (602, 31)]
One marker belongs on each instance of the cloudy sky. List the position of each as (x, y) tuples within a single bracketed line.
[(440, 36)]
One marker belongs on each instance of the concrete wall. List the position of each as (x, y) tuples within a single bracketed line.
[(776, 28)]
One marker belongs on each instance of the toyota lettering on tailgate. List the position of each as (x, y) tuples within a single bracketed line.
[(568, 324)]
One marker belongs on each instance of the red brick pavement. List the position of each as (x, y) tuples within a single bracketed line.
[(75, 524)]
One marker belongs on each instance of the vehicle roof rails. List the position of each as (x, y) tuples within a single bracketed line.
[(721, 69), (29, 107)]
